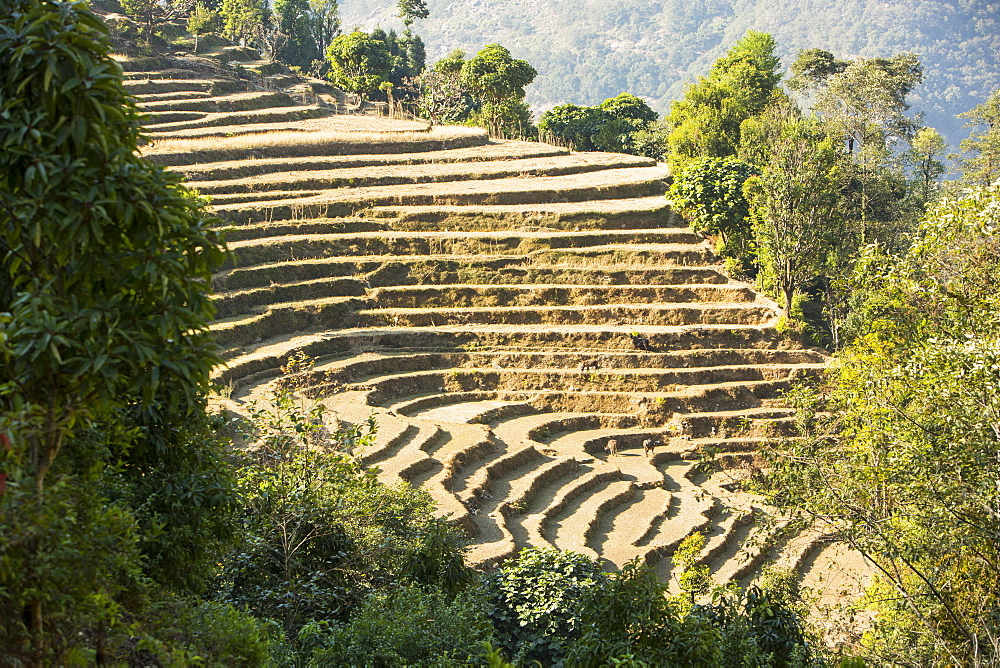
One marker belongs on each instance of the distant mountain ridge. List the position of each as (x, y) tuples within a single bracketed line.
[(588, 50)]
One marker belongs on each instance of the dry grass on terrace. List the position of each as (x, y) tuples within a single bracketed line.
[(582, 186), (402, 174), (309, 140), (496, 150)]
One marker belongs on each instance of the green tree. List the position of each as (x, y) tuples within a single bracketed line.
[(706, 123), (812, 67), (497, 80), (294, 21), (439, 96), (610, 126), (495, 76), (536, 601), (631, 109), (574, 125), (203, 19), (106, 260), (359, 62), (243, 20), (411, 10), (924, 156), (709, 194), (452, 63), (151, 14), (410, 626), (901, 459), (323, 24), (866, 101), (981, 163), (794, 203)]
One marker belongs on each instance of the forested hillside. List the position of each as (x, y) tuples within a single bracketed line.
[(588, 50)]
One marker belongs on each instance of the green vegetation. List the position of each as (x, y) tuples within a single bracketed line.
[(359, 63), (497, 81), (709, 194), (706, 122), (981, 164), (902, 455), (611, 126)]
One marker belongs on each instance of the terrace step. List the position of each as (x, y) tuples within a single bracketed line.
[(578, 339), (641, 316), (248, 301), (604, 184), (390, 243), (315, 137), (528, 294), (494, 150), (371, 176), (145, 98), (169, 123)]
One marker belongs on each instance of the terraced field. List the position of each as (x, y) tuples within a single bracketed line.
[(504, 308)]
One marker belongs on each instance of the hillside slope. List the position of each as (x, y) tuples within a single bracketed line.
[(505, 310), (588, 50)]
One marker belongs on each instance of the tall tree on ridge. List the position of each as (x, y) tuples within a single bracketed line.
[(324, 23), (794, 203), (706, 123), (411, 10), (981, 166)]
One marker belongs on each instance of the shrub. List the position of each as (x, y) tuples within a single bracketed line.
[(536, 601), (408, 626)]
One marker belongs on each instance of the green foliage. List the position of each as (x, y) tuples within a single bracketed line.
[(709, 194), (794, 203), (903, 461), (574, 125), (866, 101), (72, 557), (981, 162), (630, 621), (323, 24), (694, 578), (452, 63), (108, 262), (104, 348), (407, 54), (410, 10), (151, 14), (294, 21), (631, 109), (203, 19), (408, 626), (359, 62), (812, 67), (321, 533), (536, 602), (243, 20), (198, 632), (926, 149), (506, 119), (706, 123), (495, 76), (610, 126), (439, 95)]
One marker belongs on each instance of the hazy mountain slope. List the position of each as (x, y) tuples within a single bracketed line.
[(587, 50)]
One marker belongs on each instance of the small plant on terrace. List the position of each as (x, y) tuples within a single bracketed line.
[(693, 578)]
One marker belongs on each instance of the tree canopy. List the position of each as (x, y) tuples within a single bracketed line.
[(706, 122), (359, 62)]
